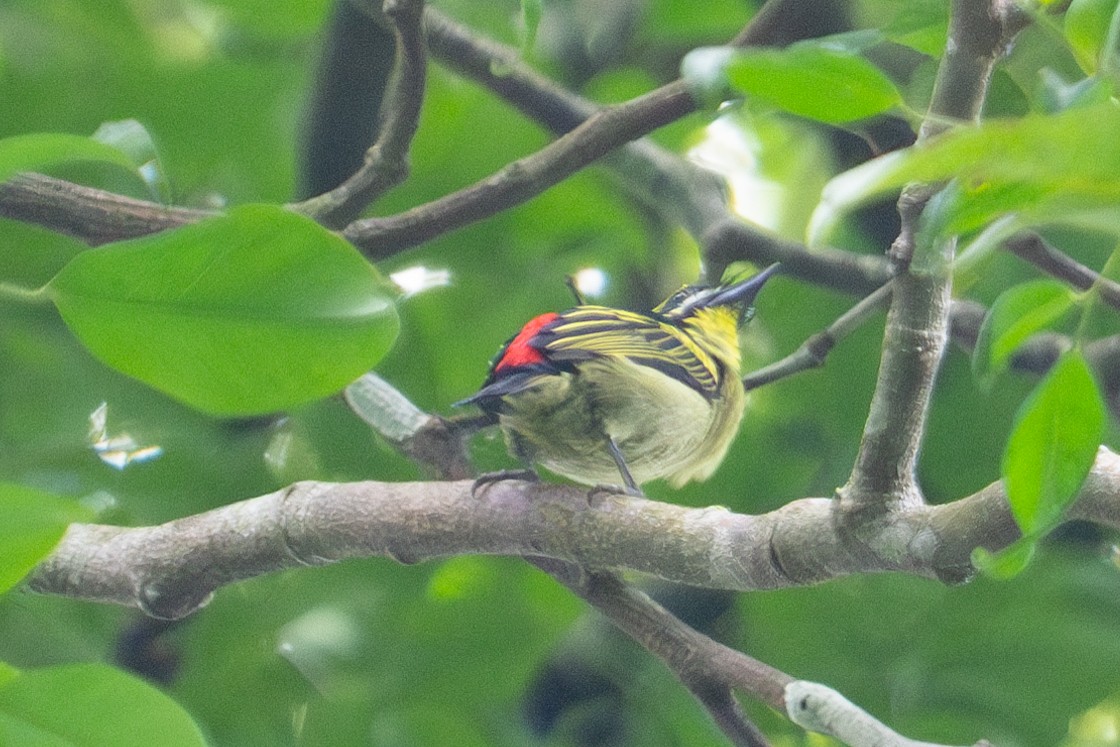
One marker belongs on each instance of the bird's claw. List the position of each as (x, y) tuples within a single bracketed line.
[(487, 479), (597, 493)]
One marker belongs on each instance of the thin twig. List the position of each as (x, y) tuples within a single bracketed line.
[(386, 161), (731, 239), (523, 179), (1051, 260), (436, 444), (604, 130), (813, 351), (695, 658), (729, 715), (663, 180), (91, 215), (1042, 350), (822, 709), (503, 70), (707, 668)]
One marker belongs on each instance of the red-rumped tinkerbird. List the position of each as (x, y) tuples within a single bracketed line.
[(593, 392)]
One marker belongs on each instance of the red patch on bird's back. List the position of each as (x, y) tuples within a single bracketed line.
[(520, 351)]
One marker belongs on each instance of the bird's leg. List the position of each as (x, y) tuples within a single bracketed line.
[(630, 486), (627, 478), (485, 480)]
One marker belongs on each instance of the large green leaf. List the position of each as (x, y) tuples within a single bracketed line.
[(814, 80), (1053, 444), (94, 705), (1086, 27), (31, 523), (1047, 168), (1016, 315), (45, 149), (247, 313)]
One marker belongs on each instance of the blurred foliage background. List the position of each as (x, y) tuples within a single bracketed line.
[(486, 651)]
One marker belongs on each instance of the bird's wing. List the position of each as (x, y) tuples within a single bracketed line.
[(588, 332)]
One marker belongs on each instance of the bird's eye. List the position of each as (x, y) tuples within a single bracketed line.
[(678, 298), (672, 302)]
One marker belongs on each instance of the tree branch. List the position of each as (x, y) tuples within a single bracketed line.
[(1034, 249), (171, 569), (599, 132), (815, 350), (386, 161), (91, 215), (884, 476), (707, 668), (683, 192), (822, 709), (688, 195), (523, 179)]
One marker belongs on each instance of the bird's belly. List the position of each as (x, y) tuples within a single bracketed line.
[(663, 428)]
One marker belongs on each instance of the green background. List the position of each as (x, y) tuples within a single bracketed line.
[(455, 652)]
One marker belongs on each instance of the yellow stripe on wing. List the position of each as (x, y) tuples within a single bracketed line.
[(593, 331)]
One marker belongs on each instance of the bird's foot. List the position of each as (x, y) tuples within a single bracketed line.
[(600, 492), (485, 480)]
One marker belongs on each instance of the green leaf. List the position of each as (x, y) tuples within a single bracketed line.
[(1086, 30), (31, 524), (918, 24), (1056, 95), (1053, 444), (15, 730), (252, 312), (1008, 562), (814, 80), (42, 150), (275, 19), (1017, 314), (1049, 168), (95, 705)]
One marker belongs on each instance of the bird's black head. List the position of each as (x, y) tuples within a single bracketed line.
[(692, 298)]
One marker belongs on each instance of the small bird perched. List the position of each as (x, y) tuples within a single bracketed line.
[(593, 392)]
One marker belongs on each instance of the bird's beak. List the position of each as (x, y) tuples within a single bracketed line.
[(742, 293)]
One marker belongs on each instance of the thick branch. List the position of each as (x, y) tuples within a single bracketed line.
[(171, 569), (884, 474)]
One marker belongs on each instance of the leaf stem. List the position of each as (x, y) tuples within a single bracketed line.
[(1095, 295), (19, 294)]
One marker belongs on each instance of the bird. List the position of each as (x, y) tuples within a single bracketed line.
[(595, 393)]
